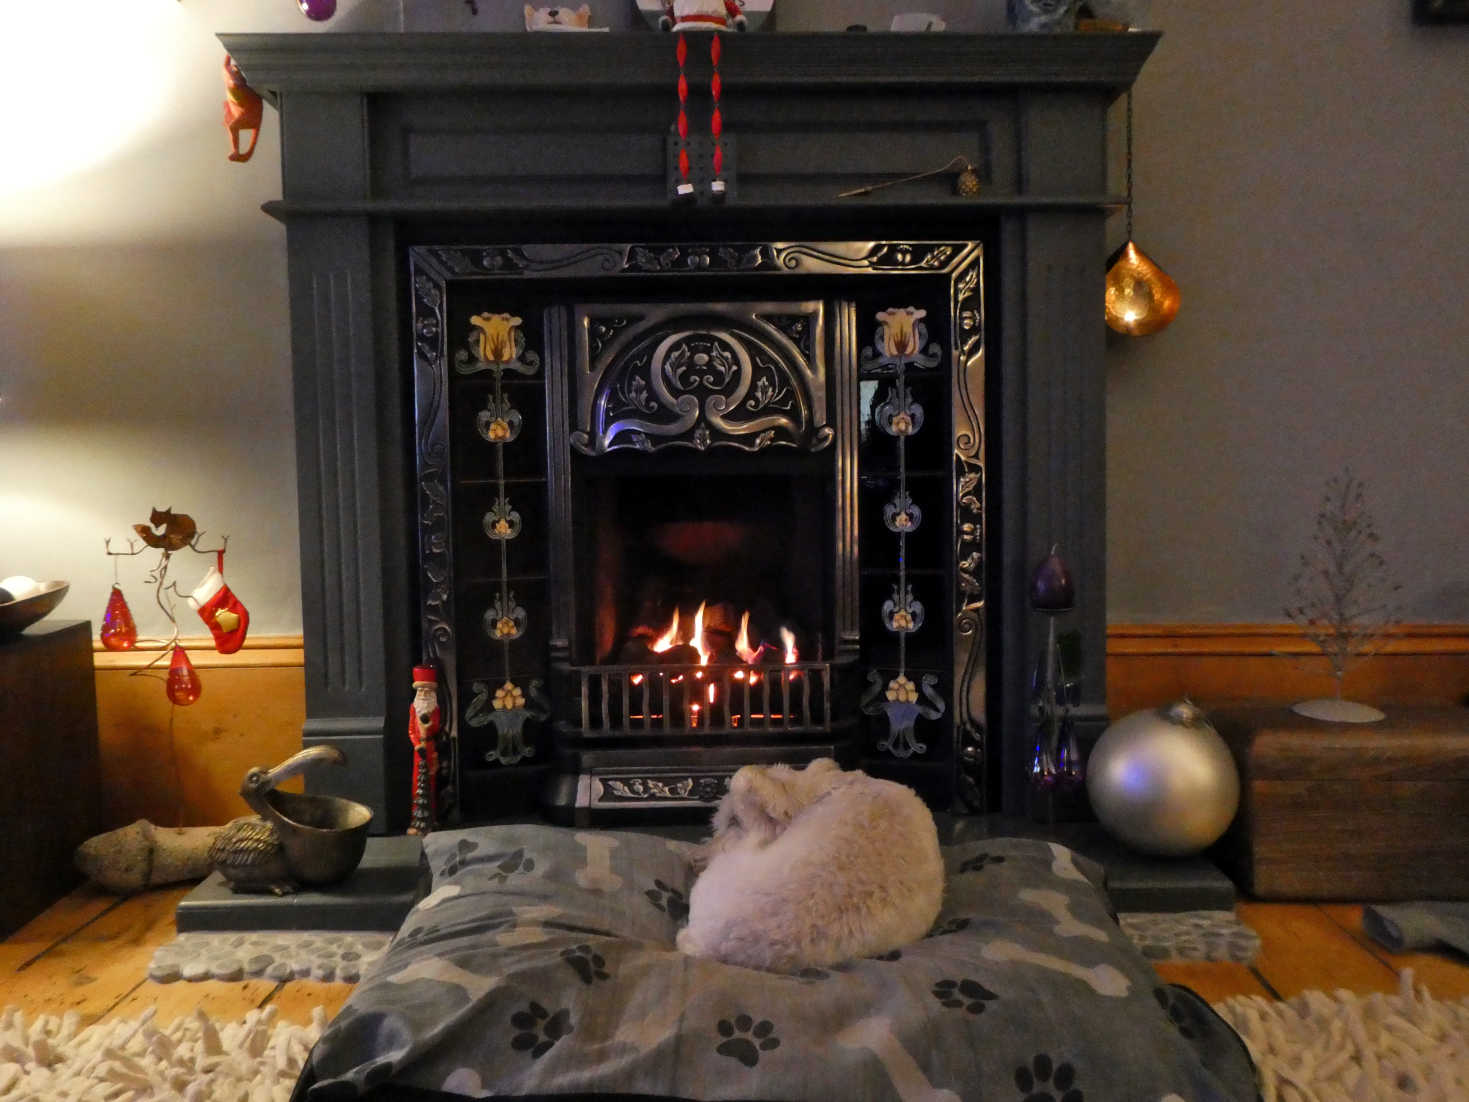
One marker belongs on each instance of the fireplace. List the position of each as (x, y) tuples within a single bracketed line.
[(544, 410), (692, 507)]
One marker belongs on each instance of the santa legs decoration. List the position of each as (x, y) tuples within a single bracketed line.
[(701, 15)]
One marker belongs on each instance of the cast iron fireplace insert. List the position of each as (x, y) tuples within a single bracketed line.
[(685, 508)]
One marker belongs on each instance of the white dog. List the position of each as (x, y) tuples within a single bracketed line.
[(814, 866)]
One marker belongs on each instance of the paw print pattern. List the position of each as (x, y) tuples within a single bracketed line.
[(415, 935), (538, 1029), (1042, 1081), (669, 900), (505, 868), (745, 1039), (1177, 1016), (813, 975), (969, 994), (459, 858), (588, 965), (890, 956), (516, 862), (952, 926), (980, 860)]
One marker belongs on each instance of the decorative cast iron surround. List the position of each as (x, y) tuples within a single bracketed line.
[(610, 345)]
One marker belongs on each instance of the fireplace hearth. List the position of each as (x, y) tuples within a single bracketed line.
[(540, 408)]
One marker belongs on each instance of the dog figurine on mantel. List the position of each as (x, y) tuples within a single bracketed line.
[(811, 867)]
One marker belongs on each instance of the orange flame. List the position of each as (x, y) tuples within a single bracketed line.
[(788, 640), (697, 640), (667, 640), (742, 641)]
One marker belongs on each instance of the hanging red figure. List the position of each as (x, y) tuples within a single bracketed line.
[(244, 110), (701, 15), (424, 724)]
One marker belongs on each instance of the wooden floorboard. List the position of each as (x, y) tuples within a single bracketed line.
[(62, 919), (90, 952), (1445, 974)]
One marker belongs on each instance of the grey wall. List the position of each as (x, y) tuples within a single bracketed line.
[(1301, 177), (1301, 172)]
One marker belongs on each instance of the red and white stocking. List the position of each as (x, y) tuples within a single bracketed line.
[(221, 611)]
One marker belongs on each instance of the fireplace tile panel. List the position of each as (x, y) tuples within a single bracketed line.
[(476, 510), (928, 544), (474, 457), (480, 655)]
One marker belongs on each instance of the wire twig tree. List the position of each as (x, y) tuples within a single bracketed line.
[(1345, 596)]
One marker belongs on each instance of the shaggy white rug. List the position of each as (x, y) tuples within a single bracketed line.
[(257, 1059), (1356, 1048), (1315, 1047)]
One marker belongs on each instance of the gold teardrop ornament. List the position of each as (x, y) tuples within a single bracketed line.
[(1141, 297)]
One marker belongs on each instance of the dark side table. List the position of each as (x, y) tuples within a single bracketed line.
[(50, 781), (1361, 812)]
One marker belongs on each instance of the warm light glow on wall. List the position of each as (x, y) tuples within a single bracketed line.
[(79, 81)]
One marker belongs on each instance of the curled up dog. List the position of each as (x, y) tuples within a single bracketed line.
[(811, 867)]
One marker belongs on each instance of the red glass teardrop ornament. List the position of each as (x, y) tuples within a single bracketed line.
[(183, 686), (118, 630)]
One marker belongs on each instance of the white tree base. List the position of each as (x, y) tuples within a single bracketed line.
[(1334, 710)]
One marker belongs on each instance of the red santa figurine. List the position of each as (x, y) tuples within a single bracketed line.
[(424, 723), (701, 15)]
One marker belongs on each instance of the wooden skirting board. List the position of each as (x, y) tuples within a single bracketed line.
[(1150, 664), (185, 768)]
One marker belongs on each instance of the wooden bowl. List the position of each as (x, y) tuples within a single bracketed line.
[(16, 616)]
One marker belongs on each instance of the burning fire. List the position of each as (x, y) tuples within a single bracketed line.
[(751, 656)]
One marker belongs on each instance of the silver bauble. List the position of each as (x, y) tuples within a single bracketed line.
[(1163, 781)]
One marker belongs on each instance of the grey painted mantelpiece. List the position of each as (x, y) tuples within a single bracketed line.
[(391, 140)]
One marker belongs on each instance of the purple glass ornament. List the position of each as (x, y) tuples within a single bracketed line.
[(318, 9), (1050, 586)]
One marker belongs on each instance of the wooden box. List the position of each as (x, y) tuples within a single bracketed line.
[(50, 792), (1361, 812)]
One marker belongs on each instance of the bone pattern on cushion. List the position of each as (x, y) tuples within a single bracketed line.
[(543, 964)]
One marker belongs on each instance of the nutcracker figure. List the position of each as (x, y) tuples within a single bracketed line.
[(424, 724)]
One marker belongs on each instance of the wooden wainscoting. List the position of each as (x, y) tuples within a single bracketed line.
[(183, 766), (254, 701), (1152, 664)]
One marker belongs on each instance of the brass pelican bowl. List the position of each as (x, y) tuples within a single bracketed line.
[(16, 616), (324, 836)]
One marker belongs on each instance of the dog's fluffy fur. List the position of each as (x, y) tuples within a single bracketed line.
[(814, 866)]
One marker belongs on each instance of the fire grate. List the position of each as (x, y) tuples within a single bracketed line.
[(728, 700)]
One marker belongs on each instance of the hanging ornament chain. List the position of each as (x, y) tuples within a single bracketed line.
[(1129, 165)]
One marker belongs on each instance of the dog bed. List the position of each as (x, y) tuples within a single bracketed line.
[(542, 964)]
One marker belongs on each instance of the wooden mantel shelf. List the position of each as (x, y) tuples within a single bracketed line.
[(385, 62)]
